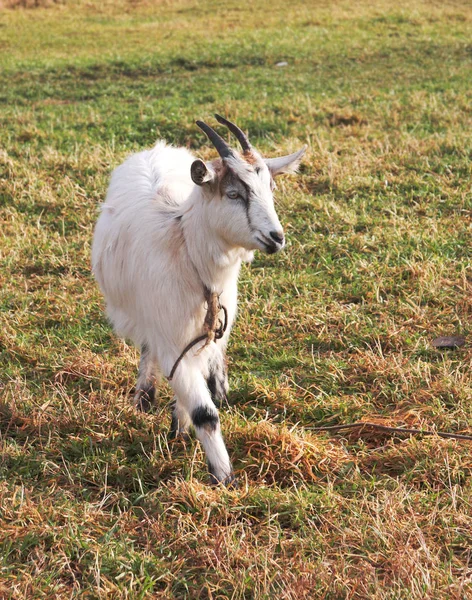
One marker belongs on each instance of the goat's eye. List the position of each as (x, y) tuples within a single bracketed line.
[(233, 194)]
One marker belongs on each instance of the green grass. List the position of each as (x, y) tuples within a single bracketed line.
[(94, 501)]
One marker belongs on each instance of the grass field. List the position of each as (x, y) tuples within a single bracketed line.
[(94, 502)]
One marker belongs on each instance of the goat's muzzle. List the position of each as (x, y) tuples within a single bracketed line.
[(272, 243)]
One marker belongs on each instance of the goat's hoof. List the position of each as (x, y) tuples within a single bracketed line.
[(144, 400), (229, 482)]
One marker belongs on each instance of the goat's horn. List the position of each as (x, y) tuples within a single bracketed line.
[(242, 137), (222, 147)]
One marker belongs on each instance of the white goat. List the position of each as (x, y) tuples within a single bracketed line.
[(167, 250)]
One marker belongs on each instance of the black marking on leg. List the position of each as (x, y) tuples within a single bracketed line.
[(211, 383), (216, 382), (204, 416), (146, 398)]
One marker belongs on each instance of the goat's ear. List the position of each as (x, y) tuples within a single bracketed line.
[(200, 173), (285, 164)]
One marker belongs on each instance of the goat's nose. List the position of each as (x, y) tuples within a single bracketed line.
[(277, 236)]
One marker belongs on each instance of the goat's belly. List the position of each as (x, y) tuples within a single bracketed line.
[(124, 324)]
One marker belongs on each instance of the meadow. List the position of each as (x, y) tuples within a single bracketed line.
[(95, 502)]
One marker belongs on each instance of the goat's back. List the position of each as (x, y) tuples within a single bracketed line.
[(161, 174)]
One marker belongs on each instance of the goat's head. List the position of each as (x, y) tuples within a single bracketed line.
[(241, 186)]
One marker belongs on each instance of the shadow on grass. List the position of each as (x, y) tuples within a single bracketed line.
[(128, 456)]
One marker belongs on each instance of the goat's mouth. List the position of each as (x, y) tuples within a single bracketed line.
[(268, 245)]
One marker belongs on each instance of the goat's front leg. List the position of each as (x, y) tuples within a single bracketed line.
[(194, 397), (148, 377)]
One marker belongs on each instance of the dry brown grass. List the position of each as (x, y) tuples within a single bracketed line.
[(94, 500)]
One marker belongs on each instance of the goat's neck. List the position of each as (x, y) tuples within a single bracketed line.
[(215, 262)]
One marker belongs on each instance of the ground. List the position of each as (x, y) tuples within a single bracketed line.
[(94, 500)]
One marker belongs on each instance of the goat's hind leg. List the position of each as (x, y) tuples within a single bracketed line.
[(148, 378), (217, 380), (180, 421)]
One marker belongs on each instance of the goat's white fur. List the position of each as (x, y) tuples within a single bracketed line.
[(159, 239)]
